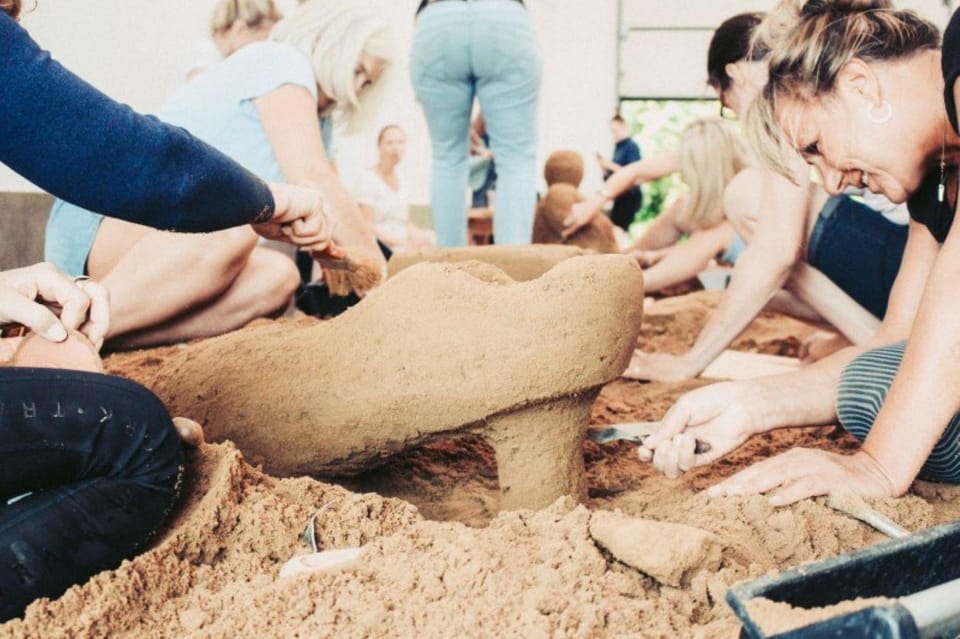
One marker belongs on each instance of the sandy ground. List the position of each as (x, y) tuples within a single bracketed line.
[(439, 562)]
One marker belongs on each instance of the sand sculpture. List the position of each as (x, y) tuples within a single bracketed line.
[(554, 207), (438, 349), (520, 263), (563, 172)]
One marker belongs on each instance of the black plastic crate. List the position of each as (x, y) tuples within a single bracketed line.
[(892, 569)]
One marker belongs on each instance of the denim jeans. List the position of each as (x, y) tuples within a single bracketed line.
[(89, 468), (483, 49), (859, 250)]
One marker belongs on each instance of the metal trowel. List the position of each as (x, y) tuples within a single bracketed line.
[(635, 432)]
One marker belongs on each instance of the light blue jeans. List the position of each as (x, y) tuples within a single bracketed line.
[(482, 48)]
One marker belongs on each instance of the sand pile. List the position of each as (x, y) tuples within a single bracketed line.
[(554, 572)]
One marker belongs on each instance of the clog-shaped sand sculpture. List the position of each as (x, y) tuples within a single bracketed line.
[(438, 349)]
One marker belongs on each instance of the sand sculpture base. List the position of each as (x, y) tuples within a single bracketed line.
[(520, 263), (439, 349)]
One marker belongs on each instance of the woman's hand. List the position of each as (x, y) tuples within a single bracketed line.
[(660, 367), (647, 258), (299, 219), (720, 415), (803, 472), (49, 302), (581, 214)]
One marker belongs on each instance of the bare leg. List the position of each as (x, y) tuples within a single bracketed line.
[(160, 280), (264, 288)]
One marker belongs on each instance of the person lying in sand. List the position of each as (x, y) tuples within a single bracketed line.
[(836, 256), (865, 94), (91, 463), (260, 107)]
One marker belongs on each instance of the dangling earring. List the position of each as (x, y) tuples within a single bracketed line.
[(886, 112)]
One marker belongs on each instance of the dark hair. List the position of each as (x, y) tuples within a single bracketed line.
[(618, 118), (11, 8), (384, 130), (731, 42)]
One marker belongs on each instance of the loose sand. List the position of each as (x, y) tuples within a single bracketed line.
[(456, 568)]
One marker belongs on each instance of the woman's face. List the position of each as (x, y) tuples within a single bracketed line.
[(368, 70), (393, 143), (835, 134)]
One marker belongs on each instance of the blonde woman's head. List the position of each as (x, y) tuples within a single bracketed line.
[(711, 153), (350, 47), (236, 23), (825, 97)]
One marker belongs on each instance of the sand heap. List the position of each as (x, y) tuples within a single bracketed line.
[(557, 572), (439, 349)]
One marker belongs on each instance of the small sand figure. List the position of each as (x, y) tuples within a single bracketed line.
[(438, 349), (563, 172)]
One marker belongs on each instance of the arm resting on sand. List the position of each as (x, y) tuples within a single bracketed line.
[(622, 179)]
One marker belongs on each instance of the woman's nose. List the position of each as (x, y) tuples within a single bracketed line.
[(833, 180)]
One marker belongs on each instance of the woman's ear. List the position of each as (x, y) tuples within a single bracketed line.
[(857, 77)]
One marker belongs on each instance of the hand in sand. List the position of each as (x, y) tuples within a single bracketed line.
[(50, 303), (660, 367), (718, 414), (580, 215), (803, 472), (299, 218)]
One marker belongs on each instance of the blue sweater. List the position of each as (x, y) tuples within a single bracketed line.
[(73, 141)]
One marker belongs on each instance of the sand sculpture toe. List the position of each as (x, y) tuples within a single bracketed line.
[(438, 349), (521, 263)]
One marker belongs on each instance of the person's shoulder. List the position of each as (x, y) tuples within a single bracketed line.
[(272, 62)]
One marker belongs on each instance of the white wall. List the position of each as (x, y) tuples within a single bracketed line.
[(135, 51)]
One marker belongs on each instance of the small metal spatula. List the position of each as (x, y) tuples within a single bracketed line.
[(635, 432)]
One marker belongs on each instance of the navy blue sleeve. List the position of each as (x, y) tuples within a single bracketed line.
[(76, 143)]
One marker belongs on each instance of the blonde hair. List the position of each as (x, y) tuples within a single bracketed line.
[(11, 8), (333, 34), (711, 153), (811, 41), (252, 13)]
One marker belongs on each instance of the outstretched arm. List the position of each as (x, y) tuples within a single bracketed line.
[(637, 172), (75, 142), (760, 272)]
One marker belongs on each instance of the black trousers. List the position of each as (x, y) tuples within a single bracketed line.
[(89, 468), (625, 208)]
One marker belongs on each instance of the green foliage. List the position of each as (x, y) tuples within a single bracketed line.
[(656, 126)]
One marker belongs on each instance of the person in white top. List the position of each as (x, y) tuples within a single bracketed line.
[(382, 196)]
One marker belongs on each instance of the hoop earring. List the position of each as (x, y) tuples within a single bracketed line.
[(886, 112)]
